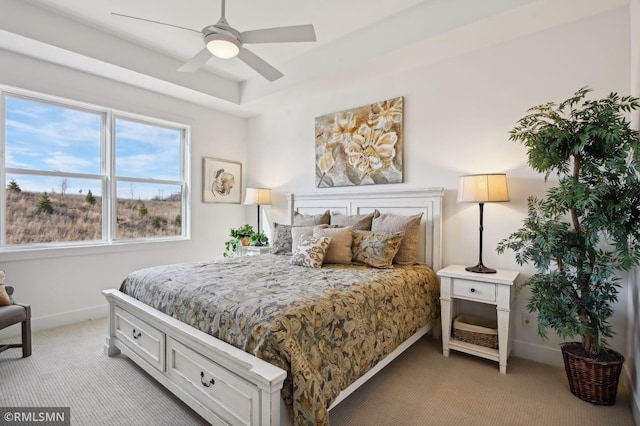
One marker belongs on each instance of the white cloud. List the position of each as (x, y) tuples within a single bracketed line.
[(63, 162), (145, 133)]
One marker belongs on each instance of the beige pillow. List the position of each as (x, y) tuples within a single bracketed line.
[(410, 225), (376, 249), (310, 251), (361, 222), (5, 300), (300, 219), (340, 246)]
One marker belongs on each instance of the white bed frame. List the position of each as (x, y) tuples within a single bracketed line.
[(224, 384)]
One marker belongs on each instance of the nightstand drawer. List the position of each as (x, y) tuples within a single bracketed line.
[(474, 290)]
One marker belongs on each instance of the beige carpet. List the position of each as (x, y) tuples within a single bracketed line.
[(421, 387)]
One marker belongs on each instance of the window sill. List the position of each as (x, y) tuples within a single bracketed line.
[(91, 248)]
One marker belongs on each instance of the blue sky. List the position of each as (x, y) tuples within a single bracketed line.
[(52, 138)]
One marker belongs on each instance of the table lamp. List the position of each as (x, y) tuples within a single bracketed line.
[(487, 188), (259, 196)]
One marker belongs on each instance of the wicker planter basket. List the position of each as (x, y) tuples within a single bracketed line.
[(475, 330), (590, 380)]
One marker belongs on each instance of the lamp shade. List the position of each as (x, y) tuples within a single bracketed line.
[(259, 196), (487, 188)]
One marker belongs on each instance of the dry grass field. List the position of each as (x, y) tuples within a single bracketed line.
[(73, 218)]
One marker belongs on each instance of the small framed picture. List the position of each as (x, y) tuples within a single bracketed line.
[(221, 181)]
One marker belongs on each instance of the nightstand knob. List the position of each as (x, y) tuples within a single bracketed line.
[(473, 290)]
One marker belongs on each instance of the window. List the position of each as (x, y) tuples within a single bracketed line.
[(148, 180), (73, 174)]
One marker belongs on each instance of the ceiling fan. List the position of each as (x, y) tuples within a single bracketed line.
[(223, 41)]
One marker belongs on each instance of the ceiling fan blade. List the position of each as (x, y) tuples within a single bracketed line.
[(295, 33), (259, 65), (156, 22), (197, 61)]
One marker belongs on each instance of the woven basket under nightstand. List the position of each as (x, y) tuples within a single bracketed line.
[(476, 330)]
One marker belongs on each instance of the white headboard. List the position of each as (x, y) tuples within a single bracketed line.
[(409, 202)]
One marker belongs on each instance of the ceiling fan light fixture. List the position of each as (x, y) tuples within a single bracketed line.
[(222, 45), (223, 41)]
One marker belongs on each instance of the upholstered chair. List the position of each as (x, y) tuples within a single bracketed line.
[(13, 314)]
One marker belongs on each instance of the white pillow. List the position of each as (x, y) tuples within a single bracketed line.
[(297, 232)]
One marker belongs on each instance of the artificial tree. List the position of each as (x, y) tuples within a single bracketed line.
[(588, 226)]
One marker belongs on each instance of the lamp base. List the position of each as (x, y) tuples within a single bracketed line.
[(480, 269)]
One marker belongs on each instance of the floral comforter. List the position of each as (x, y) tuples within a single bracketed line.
[(326, 327)]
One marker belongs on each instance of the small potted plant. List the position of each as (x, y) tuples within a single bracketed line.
[(243, 236), (258, 239), (239, 237), (584, 230)]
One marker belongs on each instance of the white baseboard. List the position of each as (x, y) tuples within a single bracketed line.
[(553, 357), (538, 353), (634, 394), (58, 320)]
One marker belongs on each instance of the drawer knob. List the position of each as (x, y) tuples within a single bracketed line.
[(473, 290), (204, 383), (136, 335)]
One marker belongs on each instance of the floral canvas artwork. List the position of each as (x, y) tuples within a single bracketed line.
[(360, 146)]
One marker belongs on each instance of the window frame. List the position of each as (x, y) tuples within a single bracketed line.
[(109, 179)]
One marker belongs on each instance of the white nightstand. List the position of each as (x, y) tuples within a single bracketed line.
[(253, 250), (494, 289)]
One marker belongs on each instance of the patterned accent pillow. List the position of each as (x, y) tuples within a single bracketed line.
[(300, 219), (5, 300), (360, 222), (310, 251), (281, 241), (340, 246), (376, 249), (410, 225)]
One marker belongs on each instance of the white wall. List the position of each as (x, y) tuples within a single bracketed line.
[(64, 286), (458, 113)]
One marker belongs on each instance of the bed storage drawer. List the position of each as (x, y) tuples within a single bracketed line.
[(142, 338), (234, 400), (474, 290)]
